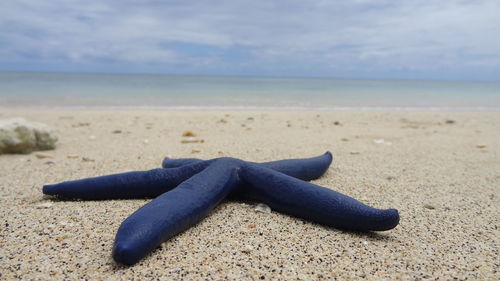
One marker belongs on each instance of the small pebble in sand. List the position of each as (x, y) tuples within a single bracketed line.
[(251, 225), (44, 205), (354, 152), (430, 207), (61, 238), (42, 155), (247, 249), (336, 123), (222, 121), (72, 156), (146, 141), (188, 133), (49, 163), (449, 121), (80, 124), (344, 139), (481, 145), (117, 132), (262, 208), (86, 159), (65, 223), (250, 118), (195, 151)]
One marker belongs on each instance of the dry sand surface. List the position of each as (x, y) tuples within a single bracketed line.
[(443, 177)]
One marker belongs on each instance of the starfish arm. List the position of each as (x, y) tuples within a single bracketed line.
[(174, 211), (312, 202), (302, 168), (143, 184)]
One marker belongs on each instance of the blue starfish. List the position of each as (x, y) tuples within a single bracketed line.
[(186, 190)]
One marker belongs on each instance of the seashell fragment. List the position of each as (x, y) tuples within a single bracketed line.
[(382, 141), (262, 208), (42, 155), (44, 205), (192, 140)]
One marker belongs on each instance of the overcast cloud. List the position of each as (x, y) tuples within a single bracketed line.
[(380, 39)]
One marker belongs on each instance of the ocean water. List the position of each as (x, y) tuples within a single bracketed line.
[(184, 92)]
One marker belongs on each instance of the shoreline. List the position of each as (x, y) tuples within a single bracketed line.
[(190, 108)]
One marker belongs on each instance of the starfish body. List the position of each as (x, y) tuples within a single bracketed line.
[(186, 190)]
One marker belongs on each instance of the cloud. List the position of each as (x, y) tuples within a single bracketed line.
[(267, 37)]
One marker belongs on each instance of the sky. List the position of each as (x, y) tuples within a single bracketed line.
[(387, 39)]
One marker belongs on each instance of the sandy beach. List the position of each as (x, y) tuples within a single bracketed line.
[(441, 170)]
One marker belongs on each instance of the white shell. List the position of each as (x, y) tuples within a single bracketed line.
[(262, 208)]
